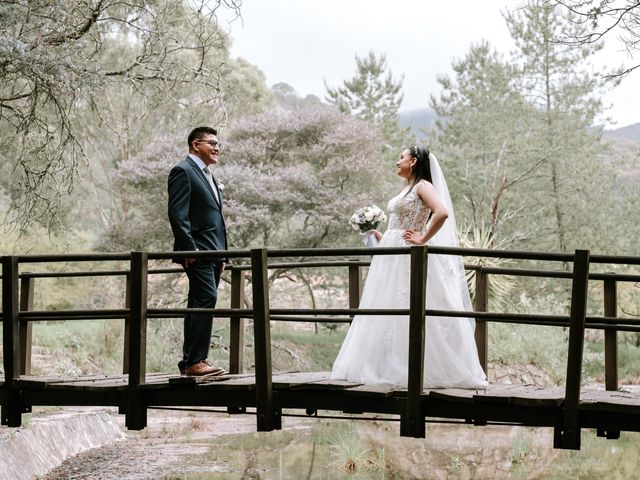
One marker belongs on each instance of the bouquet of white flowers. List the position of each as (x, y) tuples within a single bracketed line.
[(366, 219)]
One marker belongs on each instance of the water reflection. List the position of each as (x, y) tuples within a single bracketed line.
[(359, 450)]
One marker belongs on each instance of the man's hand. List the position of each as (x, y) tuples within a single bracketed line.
[(188, 261)]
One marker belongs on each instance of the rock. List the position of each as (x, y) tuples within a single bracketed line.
[(47, 441)]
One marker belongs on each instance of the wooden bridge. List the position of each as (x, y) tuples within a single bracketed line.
[(567, 409)]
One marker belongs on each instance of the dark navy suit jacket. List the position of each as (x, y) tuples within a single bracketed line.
[(194, 213)]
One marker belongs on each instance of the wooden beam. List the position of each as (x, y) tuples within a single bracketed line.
[(355, 285), (610, 348), (26, 327), (568, 435), (267, 417), (610, 336), (136, 416), (127, 324), (11, 409), (481, 303), (412, 421), (236, 333)]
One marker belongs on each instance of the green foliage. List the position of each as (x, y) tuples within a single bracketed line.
[(72, 66), (598, 458), (306, 350), (518, 138), (286, 97), (484, 142), (349, 452), (372, 94), (605, 18), (292, 179), (521, 345), (500, 286), (565, 96)]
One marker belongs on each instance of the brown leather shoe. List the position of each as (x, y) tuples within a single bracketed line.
[(203, 368)]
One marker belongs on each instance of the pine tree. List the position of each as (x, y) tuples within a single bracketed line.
[(483, 144), (554, 79), (370, 94), (373, 95)]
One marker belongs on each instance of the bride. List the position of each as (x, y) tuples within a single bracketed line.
[(376, 348)]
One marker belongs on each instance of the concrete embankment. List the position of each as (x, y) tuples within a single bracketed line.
[(46, 441)]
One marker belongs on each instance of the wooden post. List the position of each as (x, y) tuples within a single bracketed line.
[(610, 348), (136, 416), (127, 324), (11, 409), (268, 419), (26, 328), (568, 436), (355, 286), (236, 334), (412, 422), (610, 336), (481, 303)]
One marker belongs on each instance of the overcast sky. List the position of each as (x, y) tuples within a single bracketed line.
[(307, 42)]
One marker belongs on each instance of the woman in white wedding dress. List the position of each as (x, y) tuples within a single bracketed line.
[(375, 350)]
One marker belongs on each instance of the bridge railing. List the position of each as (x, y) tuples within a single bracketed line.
[(18, 316)]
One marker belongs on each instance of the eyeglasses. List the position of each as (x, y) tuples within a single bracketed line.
[(213, 143)]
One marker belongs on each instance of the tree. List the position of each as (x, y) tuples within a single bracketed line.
[(483, 140), (370, 94), (566, 102), (292, 179), (136, 119), (600, 18), (286, 97), (375, 97), (58, 56)]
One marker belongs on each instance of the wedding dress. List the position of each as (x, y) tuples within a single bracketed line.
[(375, 350)]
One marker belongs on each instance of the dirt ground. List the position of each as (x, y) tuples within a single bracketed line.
[(170, 447), (202, 445)]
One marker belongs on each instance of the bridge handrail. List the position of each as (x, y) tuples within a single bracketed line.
[(18, 315)]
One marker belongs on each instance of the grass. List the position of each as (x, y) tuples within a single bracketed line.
[(598, 458), (543, 347), (96, 346)]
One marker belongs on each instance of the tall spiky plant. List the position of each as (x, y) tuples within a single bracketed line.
[(500, 286)]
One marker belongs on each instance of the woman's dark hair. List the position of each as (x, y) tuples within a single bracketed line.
[(421, 170)]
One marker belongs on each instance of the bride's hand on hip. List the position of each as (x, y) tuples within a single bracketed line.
[(413, 237)]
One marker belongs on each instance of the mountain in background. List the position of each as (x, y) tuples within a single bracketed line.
[(417, 120), (421, 118), (630, 132)]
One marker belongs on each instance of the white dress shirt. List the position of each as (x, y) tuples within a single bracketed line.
[(208, 176)]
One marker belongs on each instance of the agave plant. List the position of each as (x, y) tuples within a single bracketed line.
[(500, 286)]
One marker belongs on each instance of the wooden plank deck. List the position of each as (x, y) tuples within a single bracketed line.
[(520, 404)]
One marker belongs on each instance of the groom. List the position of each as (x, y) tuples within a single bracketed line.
[(195, 214)]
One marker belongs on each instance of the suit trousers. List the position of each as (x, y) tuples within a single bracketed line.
[(204, 277)]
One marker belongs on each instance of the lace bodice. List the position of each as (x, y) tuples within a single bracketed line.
[(408, 212)]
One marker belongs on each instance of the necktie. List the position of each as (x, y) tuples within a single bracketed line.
[(207, 173)]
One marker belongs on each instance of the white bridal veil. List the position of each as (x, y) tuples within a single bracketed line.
[(447, 236)]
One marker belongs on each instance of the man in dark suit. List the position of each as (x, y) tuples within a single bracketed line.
[(195, 214)]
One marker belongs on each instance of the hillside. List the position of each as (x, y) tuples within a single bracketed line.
[(630, 132), (420, 118), (417, 120)]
